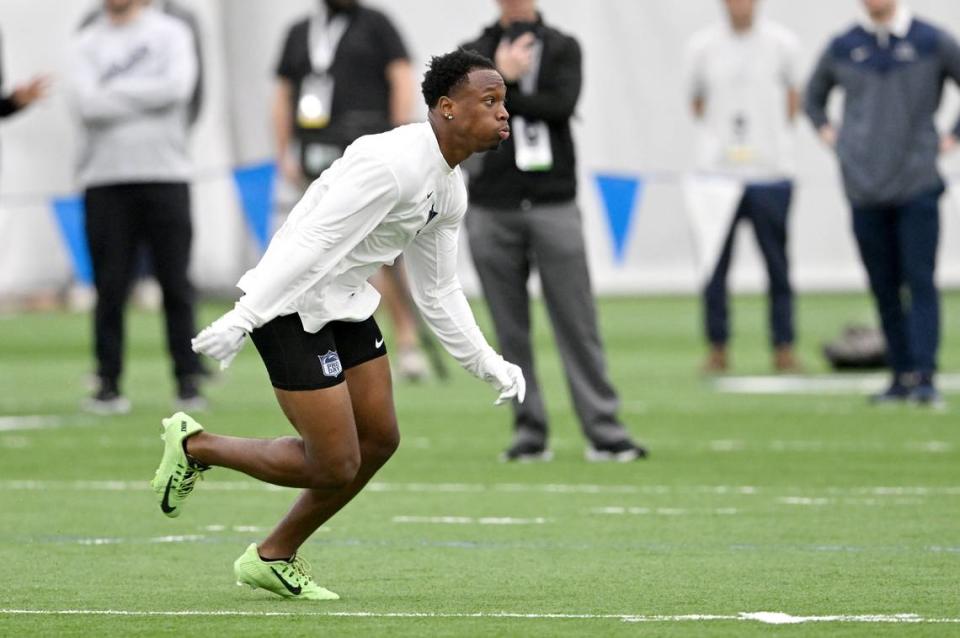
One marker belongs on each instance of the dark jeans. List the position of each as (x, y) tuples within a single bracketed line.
[(766, 207), (119, 219), (898, 245)]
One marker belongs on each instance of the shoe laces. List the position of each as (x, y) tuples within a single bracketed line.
[(301, 568), (188, 480)]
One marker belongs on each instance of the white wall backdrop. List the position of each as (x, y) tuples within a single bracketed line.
[(632, 120)]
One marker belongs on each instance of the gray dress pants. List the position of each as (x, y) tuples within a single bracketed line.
[(506, 246)]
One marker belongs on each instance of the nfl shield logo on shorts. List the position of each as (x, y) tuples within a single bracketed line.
[(330, 363)]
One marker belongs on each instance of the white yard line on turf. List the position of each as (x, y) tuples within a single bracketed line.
[(826, 384), (765, 617), (467, 520), (237, 528), (618, 510), (519, 488), (659, 547), (814, 446), (30, 422), (175, 538), (183, 538)]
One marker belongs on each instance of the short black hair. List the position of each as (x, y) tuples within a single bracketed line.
[(447, 71)]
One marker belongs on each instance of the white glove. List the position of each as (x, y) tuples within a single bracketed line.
[(506, 377), (223, 339)]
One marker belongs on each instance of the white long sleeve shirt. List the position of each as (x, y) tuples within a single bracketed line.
[(389, 194), (130, 86)]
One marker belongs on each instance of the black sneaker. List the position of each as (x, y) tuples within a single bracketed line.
[(925, 393), (189, 398), (898, 392), (107, 400), (623, 451), (526, 452)]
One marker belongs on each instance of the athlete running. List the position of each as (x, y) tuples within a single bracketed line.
[(308, 308)]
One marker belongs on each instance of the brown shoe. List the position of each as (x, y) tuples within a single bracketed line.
[(785, 361), (716, 362)]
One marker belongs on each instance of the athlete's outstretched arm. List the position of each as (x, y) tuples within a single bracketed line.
[(431, 262)]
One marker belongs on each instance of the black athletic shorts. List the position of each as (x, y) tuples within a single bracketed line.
[(299, 360)]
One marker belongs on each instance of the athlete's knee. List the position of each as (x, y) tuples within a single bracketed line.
[(378, 448), (334, 472)]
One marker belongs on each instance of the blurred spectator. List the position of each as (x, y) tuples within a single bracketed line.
[(133, 72), (744, 90), (524, 215), (180, 12), (344, 72), (146, 291), (892, 69), (24, 94)]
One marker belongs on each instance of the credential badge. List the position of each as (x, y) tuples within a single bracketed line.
[(330, 363)]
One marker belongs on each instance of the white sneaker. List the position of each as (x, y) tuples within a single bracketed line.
[(147, 295), (81, 298), (621, 452), (412, 365), (106, 404), (197, 403)]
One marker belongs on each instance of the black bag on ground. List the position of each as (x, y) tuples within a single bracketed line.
[(858, 347)]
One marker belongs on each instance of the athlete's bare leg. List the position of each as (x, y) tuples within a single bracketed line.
[(376, 428), (348, 432), (326, 456)]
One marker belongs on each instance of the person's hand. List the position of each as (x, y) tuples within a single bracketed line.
[(506, 377), (514, 59), (828, 135), (29, 92), (223, 339), (948, 143)]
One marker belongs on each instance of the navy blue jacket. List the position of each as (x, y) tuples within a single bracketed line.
[(888, 143)]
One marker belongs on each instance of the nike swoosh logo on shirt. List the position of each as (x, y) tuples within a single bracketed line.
[(377, 343), (430, 216), (290, 588)]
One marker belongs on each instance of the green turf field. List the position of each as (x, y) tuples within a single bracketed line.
[(811, 505)]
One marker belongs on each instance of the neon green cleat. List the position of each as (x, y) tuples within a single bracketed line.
[(286, 579), (177, 475)]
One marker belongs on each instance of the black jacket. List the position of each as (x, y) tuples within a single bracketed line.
[(7, 105), (499, 183)]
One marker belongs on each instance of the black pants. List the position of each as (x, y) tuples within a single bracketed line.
[(766, 207), (119, 219), (898, 245)]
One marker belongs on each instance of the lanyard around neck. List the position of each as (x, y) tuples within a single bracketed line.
[(323, 39)]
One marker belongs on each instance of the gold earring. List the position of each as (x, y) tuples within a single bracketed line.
[(449, 116)]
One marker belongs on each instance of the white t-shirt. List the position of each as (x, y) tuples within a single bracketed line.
[(743, 80), (389, 193)]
